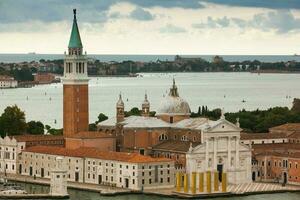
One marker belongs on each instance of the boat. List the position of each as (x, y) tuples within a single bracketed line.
[(11, 189)]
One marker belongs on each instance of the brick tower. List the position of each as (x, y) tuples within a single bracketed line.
[(75, 86)]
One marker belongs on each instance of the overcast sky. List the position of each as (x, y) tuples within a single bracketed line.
[(152, 26)]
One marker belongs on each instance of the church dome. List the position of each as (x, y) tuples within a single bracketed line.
[(172, 104)]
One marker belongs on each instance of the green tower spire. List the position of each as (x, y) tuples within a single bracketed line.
[(75, 41)]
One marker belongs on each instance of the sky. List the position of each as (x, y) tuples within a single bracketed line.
[(198, 27)]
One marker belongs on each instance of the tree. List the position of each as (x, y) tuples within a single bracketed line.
[(296, 106), (12, 121), (101, 117), (35, 127)]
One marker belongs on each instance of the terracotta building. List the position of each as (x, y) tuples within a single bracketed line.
[(44, 78)]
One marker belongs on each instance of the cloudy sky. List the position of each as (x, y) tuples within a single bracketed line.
[(153, 26)]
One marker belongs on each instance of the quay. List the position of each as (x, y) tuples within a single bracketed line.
[(232, 190)]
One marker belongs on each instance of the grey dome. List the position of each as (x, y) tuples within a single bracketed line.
[(172, 104)]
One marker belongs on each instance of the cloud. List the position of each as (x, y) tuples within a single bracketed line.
[(273, 4), (88, 10), (141, 14), (282, 21), (169, 28), (213, 23)]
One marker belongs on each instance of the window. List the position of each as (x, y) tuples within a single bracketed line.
[(143, 173), (150, 181), (161, 180), (171, 120), (162, 137), (133, 181), (184, 138), (120, 180), (143, 181), (112, 178)]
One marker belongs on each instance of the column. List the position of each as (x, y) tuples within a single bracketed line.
[(216, 181), (178, 181), (206, 154), (215, 140), (193, 183), (185, 184), (237, 153), (224, 182), (201, 182), (229, 153), (208, 181)]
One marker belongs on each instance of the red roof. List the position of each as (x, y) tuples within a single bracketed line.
[(88, 152), (31, 138), (90, 135), (287, 127)]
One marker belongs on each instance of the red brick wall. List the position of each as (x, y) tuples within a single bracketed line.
[(75, 113)]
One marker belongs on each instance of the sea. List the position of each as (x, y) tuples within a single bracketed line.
[(10, 58), (231, 91)]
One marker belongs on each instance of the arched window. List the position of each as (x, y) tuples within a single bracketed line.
[(162, 137), (184, 138)]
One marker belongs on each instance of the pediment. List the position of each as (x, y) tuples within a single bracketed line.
[(223, 125)]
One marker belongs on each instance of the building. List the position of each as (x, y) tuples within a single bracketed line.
[(75, 86), (281, 167), (8, 82), (44, 78), (221, 151), (276, 154), (11, 147), (89, 165), (195, 144)]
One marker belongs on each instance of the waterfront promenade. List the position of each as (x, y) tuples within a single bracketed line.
[(232, 190)]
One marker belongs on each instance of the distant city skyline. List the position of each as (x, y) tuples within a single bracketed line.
[(231, 27)]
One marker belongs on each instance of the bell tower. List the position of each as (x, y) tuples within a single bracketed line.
[(145, 107), (75, 86), (120, 109)]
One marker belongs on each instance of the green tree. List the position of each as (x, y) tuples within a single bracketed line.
[(12, 121), (35, 127), (101, 117)]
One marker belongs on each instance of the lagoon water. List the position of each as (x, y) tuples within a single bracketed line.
[(216, 90), (84, 195)]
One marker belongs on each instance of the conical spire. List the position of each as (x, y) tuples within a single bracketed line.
[(146, 102), (75, 41), (120, 102), (173, 90)]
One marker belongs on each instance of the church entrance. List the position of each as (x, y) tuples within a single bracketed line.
[(220, 171), (253, 176), (284, 178)]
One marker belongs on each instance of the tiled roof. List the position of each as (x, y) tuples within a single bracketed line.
[(144, 122), (175, 145), (287, 127), (295, 135), (279, 154), (31, 138), (87, 152), (253, 136)]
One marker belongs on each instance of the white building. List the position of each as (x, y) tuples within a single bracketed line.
[(9, 150), (8, 82), (221, 151), (89, 165)]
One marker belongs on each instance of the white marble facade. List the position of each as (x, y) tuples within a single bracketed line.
[(221, 151)]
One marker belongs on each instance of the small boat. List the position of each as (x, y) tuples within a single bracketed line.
[(11, 189)]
